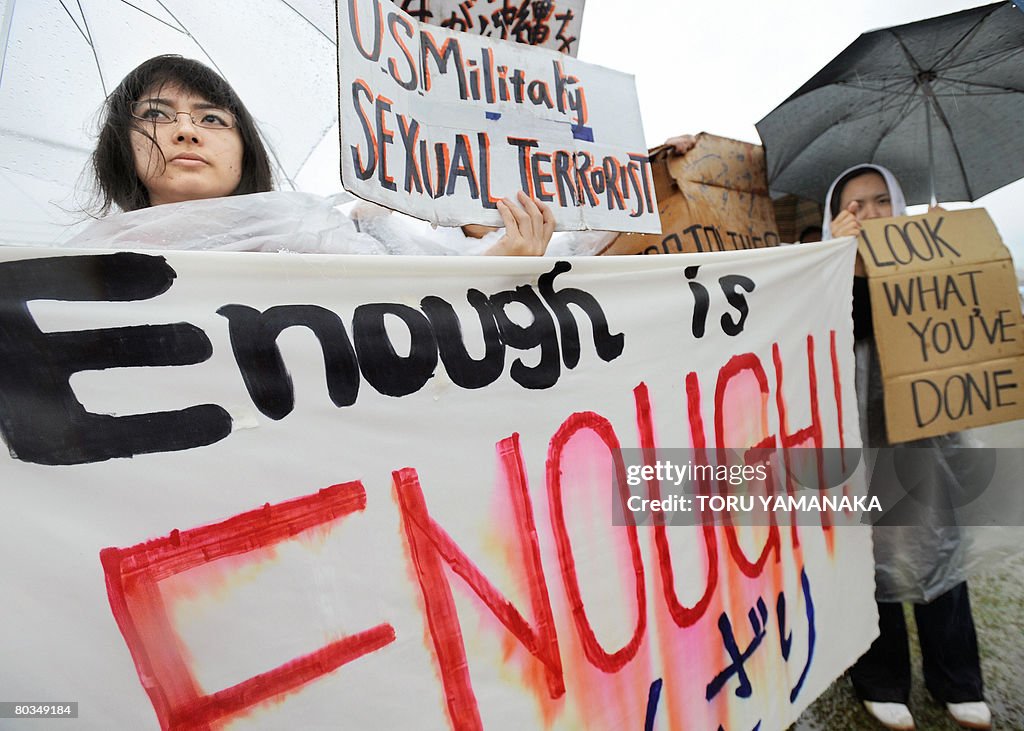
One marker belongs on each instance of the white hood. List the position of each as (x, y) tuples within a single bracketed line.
[(899, 204)]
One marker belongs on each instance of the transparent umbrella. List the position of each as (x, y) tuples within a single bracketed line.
[(60, 58)]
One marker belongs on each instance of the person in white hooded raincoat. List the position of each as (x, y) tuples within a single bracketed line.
[(921, 562)]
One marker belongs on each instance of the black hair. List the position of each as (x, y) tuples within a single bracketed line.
[(113, 160), (837, 191), (815, 229)]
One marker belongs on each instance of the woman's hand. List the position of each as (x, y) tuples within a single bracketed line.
[(681, 144), (846, 223), (528, 228)]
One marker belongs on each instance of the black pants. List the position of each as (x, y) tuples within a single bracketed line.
[(949, 650)]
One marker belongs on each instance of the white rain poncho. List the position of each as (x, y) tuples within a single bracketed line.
[(286, 221), (925, 556), (274, 221)]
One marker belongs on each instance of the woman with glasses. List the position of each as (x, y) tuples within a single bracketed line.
[(175, 131)]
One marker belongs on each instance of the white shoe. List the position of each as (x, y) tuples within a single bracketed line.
[(895, 716), (974, 714)]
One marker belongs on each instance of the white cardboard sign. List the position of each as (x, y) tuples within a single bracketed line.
[(440, 125), (554, 24)]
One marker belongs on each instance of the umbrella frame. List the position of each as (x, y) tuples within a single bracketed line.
[(5, 35)]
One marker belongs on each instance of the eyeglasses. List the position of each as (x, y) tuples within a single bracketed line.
[(157, 113)]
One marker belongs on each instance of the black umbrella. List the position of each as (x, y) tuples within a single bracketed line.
[(940, 102)]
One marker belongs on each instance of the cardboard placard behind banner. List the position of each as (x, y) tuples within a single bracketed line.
[(713, 198), (947, 320), (794, 215), (284, 491), (441, 125), (553, 24)]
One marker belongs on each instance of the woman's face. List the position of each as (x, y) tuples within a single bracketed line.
[(201, 162), (871, 194)]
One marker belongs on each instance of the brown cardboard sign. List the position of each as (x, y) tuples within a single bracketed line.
[(947, 320), (793, 215), (931, 241), (940, 402), (951, 317), (713, 198)]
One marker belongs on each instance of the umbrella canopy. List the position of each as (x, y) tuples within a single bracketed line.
[(949, 90), (60, 58)]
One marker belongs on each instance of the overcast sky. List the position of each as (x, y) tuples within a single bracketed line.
[(721, 66)]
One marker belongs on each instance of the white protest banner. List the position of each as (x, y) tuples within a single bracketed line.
[(553, 24), (441, 125), (266, 491)]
